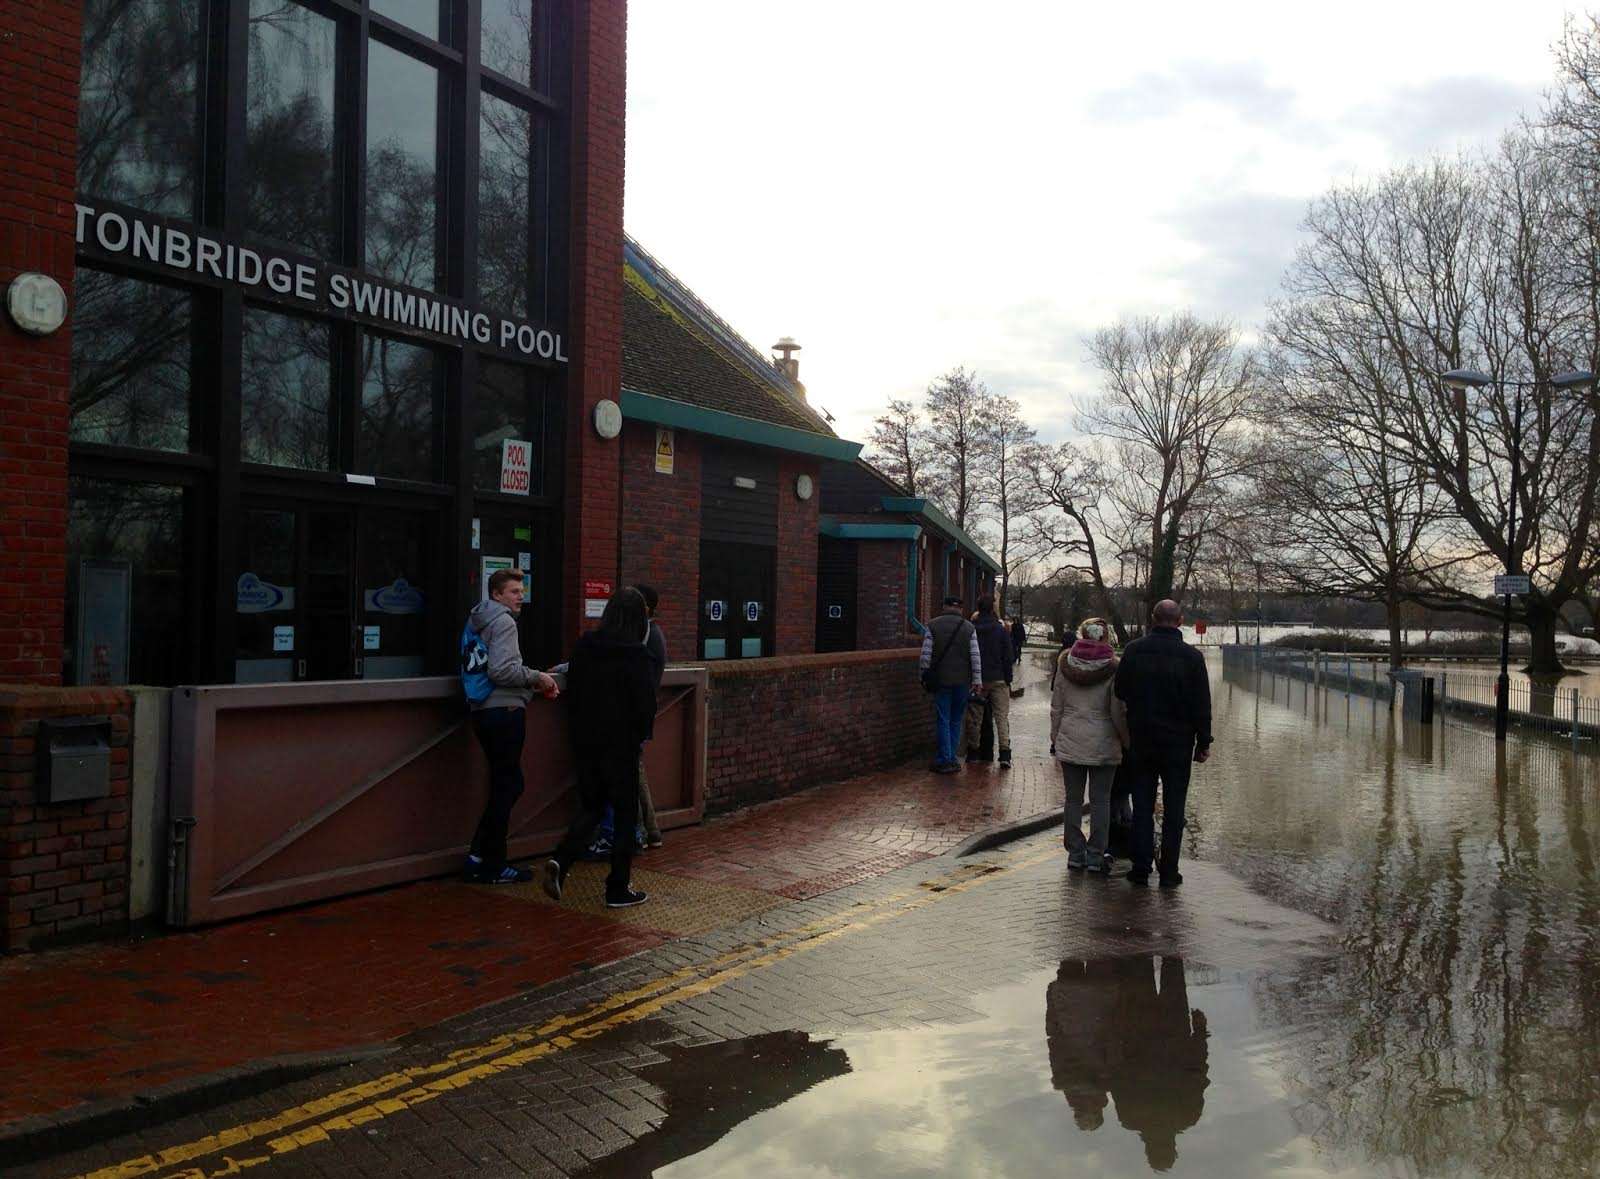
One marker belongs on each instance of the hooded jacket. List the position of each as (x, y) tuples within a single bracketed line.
[(513, 681), (611, 694), (1088, 725)]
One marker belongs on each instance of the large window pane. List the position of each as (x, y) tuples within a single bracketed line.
[(395, 432), (137, 109), (127, 584), (289, 126), (508, 38), (130, 362), (422, 15), (509, 404), (402, 158), (505, 155), (286, 389)]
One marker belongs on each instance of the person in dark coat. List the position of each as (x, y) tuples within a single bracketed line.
[(994, 650), (1019, 636), (611, 698), (1162, 682)]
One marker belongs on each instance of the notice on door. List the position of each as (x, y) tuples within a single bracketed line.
[(516, 464), (283, 638)]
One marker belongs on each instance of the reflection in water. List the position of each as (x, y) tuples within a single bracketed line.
[(709, 1089), (1112, 1031), (1460, 1025)]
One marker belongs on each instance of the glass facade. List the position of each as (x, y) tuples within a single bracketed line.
[(402, 167), (138, 111), (131, 362), (289, 126), (286, 391), (127, 570), (278, 409)]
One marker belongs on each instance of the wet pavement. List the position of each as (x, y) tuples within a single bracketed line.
[(1383, 961)]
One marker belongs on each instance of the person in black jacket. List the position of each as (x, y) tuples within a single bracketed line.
[(994, 651), (611, 697), (1163, 683)]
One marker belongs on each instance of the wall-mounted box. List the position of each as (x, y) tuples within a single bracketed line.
[(74, 759)]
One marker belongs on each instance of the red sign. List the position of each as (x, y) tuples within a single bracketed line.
[(1200, 627), (596, 589)]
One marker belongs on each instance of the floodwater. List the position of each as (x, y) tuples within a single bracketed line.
[(1450, 1025)]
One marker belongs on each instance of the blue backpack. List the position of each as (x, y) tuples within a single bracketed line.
[(475, 681)]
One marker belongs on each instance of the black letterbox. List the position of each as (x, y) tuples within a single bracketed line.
[(74, 755)]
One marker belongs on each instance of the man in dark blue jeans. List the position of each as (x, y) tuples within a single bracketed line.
[(1163, 683), (950, 651)]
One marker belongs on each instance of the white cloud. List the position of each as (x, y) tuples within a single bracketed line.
[(906, 187)]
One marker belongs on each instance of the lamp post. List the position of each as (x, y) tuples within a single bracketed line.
[(1460, 380)]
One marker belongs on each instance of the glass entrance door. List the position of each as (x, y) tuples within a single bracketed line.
[(331, 592)]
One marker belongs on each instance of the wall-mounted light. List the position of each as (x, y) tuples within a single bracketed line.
[(743, 483)]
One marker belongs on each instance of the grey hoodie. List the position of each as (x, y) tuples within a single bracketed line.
[(513, 681)]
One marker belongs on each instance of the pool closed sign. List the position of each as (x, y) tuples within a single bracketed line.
[(516, 457)]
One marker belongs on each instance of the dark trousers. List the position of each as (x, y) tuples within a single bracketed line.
[(1170, 765), (605, 776), (501, 732)]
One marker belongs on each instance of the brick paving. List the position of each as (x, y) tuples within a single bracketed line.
[(112, 1021), (769, 1010)]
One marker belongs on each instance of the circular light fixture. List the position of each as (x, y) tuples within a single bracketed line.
[(803, 487), (37, 303), (607, 418)]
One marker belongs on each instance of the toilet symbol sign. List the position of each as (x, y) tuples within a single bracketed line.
[(752, 611), (714, 610)]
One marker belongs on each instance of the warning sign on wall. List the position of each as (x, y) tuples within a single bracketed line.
[(664, 450)]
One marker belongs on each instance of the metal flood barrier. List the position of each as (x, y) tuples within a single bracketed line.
[(288, 793)]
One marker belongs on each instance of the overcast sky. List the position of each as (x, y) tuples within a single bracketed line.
[(904, 187)]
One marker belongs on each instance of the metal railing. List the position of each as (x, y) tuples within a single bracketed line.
[(1451, 693)]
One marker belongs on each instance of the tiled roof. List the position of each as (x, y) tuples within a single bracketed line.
[(665, 353)]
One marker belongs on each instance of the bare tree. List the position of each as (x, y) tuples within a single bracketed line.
[(1471, 264), (958, 404), (1353, 514), (900, 445), (1004, 443), (1176, 396), (1067, 525)]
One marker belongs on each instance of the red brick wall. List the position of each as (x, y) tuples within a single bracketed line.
[(593, 463), (64, 866), (797, 557), (39, 52), (776, 726), (661, 530), (881, 572)]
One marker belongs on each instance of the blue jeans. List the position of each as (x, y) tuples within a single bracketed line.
[(949, 714)]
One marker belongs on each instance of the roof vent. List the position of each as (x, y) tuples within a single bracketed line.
[(786, 363)]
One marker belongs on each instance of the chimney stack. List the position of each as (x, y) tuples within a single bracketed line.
[(786, 363)]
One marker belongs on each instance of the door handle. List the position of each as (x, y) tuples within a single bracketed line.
[(300, 668), (360, 663)]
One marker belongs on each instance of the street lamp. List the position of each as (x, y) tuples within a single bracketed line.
[(1460, 380)]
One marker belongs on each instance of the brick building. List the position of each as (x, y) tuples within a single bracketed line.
[(319, 311)]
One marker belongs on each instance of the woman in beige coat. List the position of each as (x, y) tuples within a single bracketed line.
[(1088, 731)]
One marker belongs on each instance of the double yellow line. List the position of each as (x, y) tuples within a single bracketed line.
[(268, 1139)]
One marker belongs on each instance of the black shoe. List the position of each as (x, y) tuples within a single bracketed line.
[(625, 899), (1005, 759), (1142, 879), (551, 882), (1171, 881), (949, 767), (474, 872)]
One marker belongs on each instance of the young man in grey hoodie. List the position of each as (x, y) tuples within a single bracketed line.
[(501, 724)]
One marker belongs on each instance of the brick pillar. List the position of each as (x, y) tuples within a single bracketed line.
[(796, 630), (599, 82), (661, 531), (39, 55)]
